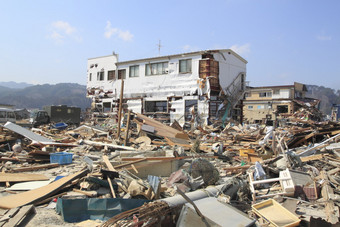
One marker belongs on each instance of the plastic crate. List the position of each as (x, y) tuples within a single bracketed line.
[(61, 158)]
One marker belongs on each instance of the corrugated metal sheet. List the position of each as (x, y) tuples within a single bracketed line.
[(215, 213), (25, 132)]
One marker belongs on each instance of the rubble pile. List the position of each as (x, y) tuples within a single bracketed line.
[(146, 173)]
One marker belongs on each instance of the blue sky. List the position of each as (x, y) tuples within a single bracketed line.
[(283, 40)]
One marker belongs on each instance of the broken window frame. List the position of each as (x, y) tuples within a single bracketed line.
[(159, 68), (185, 66), (111, 75), (214, 104), (134, 71), (282, 109), (159, 106)]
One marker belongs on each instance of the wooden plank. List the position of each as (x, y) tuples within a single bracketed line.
[(167, 158), (161, 129), (178, 142), (127, 128), (9, 214), (327, 193), (89, 142), (333, 171), (87, 193), (236, 168), (20, 216), (21, 177), (108, 163), (129, 163), (111, 168), (49, 199), (311, 158), (134, 168), (38, 194), (111, 188)]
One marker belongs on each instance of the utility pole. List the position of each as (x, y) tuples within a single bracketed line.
[(159, 48)]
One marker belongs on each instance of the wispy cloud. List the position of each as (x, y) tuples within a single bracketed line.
[(241, 49), (60, 30), (324, 37), (124, 35), (64, 27)]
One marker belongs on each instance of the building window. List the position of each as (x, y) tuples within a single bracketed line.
[(134, 71), (185, 66), (282, 109), (90, 77), (10, 115), (156, 106), (276, 91), (298, 94), (106, 107), (111, 75), (250, 107), (247, 94), (100, 75), (121, 74), (265, 94), (156, 68), (260, 107)]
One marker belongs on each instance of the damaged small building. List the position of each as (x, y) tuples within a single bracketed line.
[(267, 104), (205, 84)]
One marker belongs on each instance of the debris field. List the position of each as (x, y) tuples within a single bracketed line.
[(147, 173)]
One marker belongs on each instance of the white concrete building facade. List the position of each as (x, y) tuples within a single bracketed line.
[(170, 85)]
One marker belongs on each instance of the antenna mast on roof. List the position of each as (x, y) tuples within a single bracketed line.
[(159, 48)]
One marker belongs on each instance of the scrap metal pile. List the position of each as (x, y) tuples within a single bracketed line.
[(146, 173)]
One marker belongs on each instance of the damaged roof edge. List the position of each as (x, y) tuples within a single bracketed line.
[(182, 55)]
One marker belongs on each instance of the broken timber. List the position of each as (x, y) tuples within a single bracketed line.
[(38, 194)]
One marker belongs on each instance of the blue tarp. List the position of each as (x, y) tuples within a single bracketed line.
[(77, 210), (60, 126)]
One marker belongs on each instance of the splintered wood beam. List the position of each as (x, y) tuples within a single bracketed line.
[(111, 168), (127, 128), (327, 193), (120, 108), (26, 169)]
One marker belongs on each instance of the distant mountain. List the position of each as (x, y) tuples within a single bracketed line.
[(327, 96), (12, 84), (37, 96)]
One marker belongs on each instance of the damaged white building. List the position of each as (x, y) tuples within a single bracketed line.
[(205, 85)]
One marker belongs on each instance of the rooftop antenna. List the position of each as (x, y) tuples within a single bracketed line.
[(159, 48)]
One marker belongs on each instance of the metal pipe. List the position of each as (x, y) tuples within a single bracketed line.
[(319, 145), (177, 200)]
